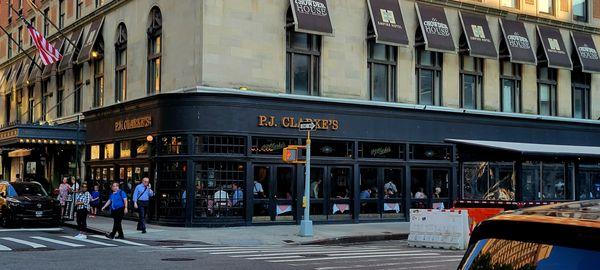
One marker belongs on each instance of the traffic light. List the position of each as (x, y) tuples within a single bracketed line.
[(293, 154)]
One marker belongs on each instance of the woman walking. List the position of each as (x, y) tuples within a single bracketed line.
[(63, 194), (118, 207), (82, 204)]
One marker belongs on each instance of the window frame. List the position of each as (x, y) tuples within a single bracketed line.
[(586, 90), (46, 21), (9, 46), (391, 67), (314, 68), (60, 92), (77, 87), (78, 8), (45, 94), (99, 82), (552, 7), (552, 82), (516, 4), (121, 64), (437, 68), (32, 22), (585, 17), (154, 59), (30, 103), (61, 14), (478, 73), (517, 93)]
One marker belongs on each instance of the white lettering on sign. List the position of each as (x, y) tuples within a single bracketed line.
[(588, 53), (434, 27), (311, 7), (517, 41), (554, 46)]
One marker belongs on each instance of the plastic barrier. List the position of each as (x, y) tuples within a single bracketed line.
[(448, 229), (477, 215)]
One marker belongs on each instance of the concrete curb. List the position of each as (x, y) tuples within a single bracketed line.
[(357, 239), (88, 229)]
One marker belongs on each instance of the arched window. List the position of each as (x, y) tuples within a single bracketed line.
[(154, 32), (99, 74), (302, 60), (121, 64)]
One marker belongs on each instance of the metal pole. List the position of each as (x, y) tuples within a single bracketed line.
[(306, 226)]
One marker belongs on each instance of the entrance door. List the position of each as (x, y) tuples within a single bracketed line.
[(331, 192), (273, 192), (430, 187)]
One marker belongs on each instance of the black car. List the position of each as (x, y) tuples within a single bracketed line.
[(560, 236), (26, 201)]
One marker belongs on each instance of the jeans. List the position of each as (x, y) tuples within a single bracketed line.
[(117, 216), (82, 219), (143, 210)]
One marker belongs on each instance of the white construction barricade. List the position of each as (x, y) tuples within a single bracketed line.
[(448, 229)]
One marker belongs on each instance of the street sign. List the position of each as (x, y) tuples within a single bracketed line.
[(307, 126)]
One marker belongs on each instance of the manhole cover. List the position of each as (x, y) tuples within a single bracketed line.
[(177, 259)]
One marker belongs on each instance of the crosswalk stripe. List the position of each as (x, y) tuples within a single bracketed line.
[(24, 242), (89, 241), (370, 266), (32, 230), (57, 241), (276, 257), (208, 249), (352, 257), (280, 250), (121, 241), (307, 252), (4, 248)]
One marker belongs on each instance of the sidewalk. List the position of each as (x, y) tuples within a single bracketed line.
[(259, 235)]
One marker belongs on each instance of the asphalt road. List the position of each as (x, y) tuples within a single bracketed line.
[(54, 248)]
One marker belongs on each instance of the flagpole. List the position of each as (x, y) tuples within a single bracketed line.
[(24, 51), (50, 21)]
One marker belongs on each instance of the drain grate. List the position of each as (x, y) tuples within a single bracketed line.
[(177, 259)]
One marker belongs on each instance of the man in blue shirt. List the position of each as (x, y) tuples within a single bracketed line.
[(141, 201), (118, 206), (238, 195)]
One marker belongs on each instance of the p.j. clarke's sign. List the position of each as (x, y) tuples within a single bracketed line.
[(134, 123), (294, 122)]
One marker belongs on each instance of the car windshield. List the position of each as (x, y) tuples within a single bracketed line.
[(29, 189), (517, 255)]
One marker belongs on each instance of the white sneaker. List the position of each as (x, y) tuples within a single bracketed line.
[(83, 236), (78, 236)]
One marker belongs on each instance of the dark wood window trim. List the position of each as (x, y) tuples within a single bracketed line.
[(515, 77), (581, 81), (551, 81), (477, 74), (390, 64)]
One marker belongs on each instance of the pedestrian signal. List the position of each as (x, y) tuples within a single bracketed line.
[(293, 154)]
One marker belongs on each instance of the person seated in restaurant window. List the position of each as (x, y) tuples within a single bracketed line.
[(258, 190), (237, 198), (343, 194), (390, 186), (437, 193), (314, 188), (420, 194), (365, 194), (389, 193)]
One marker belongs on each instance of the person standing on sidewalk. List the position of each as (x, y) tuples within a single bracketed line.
[(118, 206), (141, 201), (82, 204), (63, 193)]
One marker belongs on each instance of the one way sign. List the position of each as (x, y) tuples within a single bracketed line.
[(307, 126)]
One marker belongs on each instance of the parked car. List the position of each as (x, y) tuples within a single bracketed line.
[(26, 202), (560, 236)]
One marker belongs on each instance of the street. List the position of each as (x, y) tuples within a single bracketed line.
[(55, 248)]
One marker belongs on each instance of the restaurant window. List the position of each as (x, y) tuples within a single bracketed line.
[(329, 148), (98, 82), (208, 144), (30, 104), (125, 149), (429, 77), (580, 10), (60, 90), (510, 87), (172, 145), (381, 71), (9, 47), (109, 151), (380, 150), (45, 98), (510, 3), (545, 181), (78, 9), (46, 21), (77, 87), (546, 6), (141, 147), (430, 152), (488, 181), (214, 184), (581, 87), (303, 53), (95, 152), (270, 146), (547, 83), (154, 32), (171, 191), (471, 81), (61, 14), (121, 64)]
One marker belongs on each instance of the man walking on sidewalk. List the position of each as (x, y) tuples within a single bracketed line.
[(141, 201)]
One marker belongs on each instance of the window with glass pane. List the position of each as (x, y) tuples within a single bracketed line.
[(556, 185), (329, 148), (303, 53), (430, 152), (216, 185), (380, 150), (30, 104), (60, 89), (547, 82), (94, 152), (78, 84), (510, 87), (510, 3), (580, 10), (270, 146), (429, 73), (170, 189), (98, 82), (125, 149), (581, 85), (207, 144), (173, 145), (121, 64), (154, 51), (471, 75), (141, 147), (546, 6), (109, 151), (381, 68)]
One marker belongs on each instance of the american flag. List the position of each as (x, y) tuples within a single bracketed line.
[(48, 53)]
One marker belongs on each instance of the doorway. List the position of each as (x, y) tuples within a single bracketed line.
[(274, 193), (331, 193), (430, 187)]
